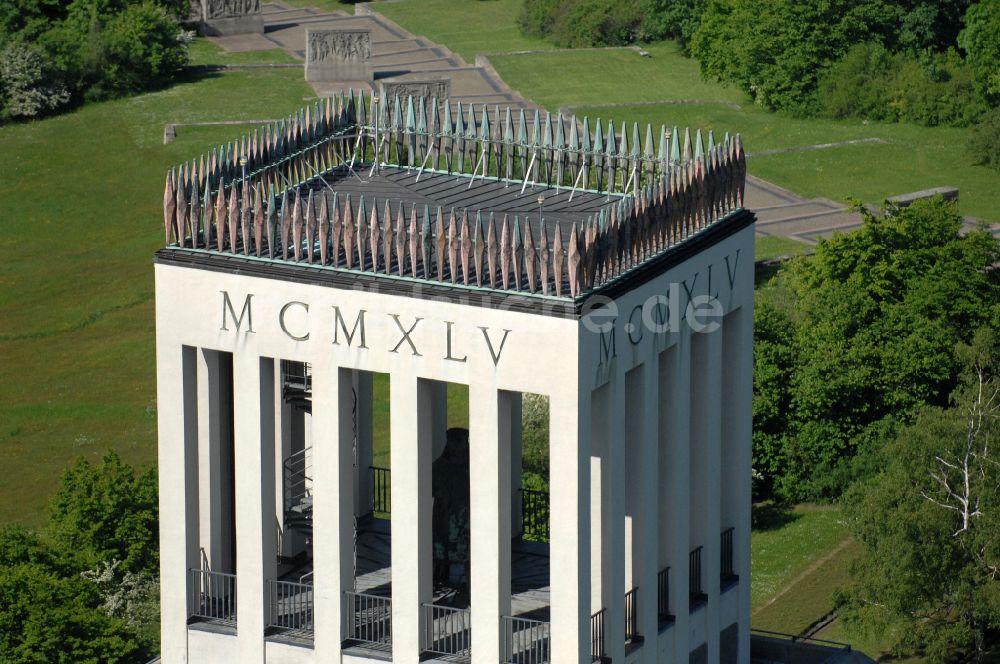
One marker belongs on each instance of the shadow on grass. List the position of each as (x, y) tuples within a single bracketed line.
[(771, 516)]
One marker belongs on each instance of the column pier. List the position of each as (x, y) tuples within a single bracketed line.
[(256, 555), (490, 481), (411, 427)]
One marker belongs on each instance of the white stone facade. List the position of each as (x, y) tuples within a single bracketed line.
[(650, 453)]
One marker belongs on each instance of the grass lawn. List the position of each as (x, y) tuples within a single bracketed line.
[(80, 216), (776, 246), (785, 543), (467, 27), (204, 52), (325, 5)]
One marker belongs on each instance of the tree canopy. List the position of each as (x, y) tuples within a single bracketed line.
[(851, 342)]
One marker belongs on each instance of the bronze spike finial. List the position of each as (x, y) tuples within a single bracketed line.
[(530, 257), (557, 259), (506, 253), (297, 225), (324, 230), (440, 242), (169, 206), (466, 247), (234, 218)]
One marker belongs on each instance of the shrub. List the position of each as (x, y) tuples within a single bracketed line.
[(142, 49), (576, 23), (26, 87), (858, 85), (984, 144), (981, 42)]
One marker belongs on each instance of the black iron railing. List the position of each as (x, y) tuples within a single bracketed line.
[(726, 571), (695, 587), (212, 596), (381, 502), (597, 649), (663, 613), (296, 375), (291, 607), (535, 515), (632, 615), (525, 641), (369, 619), (447, 631)]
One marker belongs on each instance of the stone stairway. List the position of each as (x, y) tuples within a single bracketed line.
[(396, 53)]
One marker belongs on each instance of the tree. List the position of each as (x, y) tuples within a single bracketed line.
[(866, 336), (26, 90), (930, 523), (981, 42)]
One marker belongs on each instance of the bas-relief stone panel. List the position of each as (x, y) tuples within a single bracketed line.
[(426, 88), (338, 55), (231, 17)]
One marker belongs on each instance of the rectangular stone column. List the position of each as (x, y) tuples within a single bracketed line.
[(706, 393), (489, 508), (569, 545), (674, 489), (256, 553), (333, 506), (516, 463), (410, 452), (177, 427), (643, 392), (613, 523), (215, 459)]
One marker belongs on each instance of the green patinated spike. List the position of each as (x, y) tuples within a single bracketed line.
[(397, 114), (508, 126), (352, 106), (522, 128), (699, 145), (711, 140), (675, 145), (727, 139), (686, 154), (636, 144), (648, 148), (383, 113), (422, 116), (411, 118), (609, 141), (623, 142), (574, 134), (585, 146), (664, 152), (560, 132), (362, 109), (598, 147), (470, 128), (547, 131), (411, 138), (449, 125), (536, 129), (460, 135), (484, 125)]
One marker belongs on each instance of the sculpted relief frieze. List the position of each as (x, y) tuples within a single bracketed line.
[(215, 9), (339, 46)]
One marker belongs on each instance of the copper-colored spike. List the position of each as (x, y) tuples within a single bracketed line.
[(310, 228), (466, 247), (297, 225), (479, 246), (337, 231), (324, 230), (506, 253), (492, 251), (387, 243), (440, 241), (180, 221), (530, 256), (169, 207), (574, 261), (401, 241), (362, 236), (349, 233), (544, 256), (413, 241), (195, 212), (219, 218), (258, 220), (453, 247), (374, 237), (245, 219), (286, 225), (557, 259), (234, 218)]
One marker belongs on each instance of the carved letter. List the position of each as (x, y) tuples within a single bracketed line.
[(227, 307), (608, 349), (689, 291), (448, 355), (632, 327), (406, 334), (359, 326), (732, 273), (495, 354), (281, 320)]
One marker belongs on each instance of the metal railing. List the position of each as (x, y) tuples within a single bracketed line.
[(597, 649), (632, 615), (694, 576), (535, 515), (447, 631), (726, 571), (298, 478), (296, 375), (525, 641), (381, 495), (212, 596), (369, 618), (291, 607), (663, 596)]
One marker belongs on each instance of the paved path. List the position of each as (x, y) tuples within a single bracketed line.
[(398, 53)]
